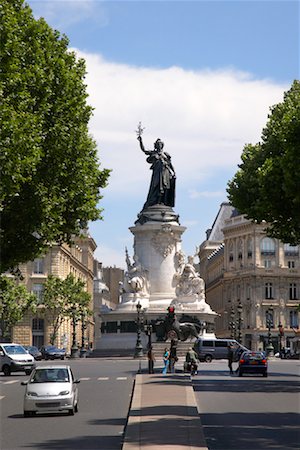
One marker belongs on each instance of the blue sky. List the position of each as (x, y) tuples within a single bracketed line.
[(200, 75)]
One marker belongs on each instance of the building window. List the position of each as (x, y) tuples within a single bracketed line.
[(291, 250), (240, 250), (249, 248), (269, 317), (231, 252), (38, 291), (294, 323), (38, 265), (268, 263), (293, 291), (291, 264), (269, 290), (267, 246)]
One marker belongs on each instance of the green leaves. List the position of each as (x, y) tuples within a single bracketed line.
[(15, 302), (50, 172), (267, 184), (64, 299)]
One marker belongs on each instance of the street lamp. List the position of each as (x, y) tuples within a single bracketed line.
[(232, 324), (280, 336), (269, 321), (239, 321), (74, 348), (138, 346), (148, 331), (83, 350)]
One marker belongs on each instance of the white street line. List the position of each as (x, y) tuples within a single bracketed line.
[(11, 382), (84, 379), (121, 378), (2, 396), (103, 378)]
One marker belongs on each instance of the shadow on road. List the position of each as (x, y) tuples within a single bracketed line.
[(248, 431)]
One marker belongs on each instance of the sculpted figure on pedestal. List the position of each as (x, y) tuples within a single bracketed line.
[(135, 279), (162, 185)]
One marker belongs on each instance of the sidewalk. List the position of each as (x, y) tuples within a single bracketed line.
[(164, 415)]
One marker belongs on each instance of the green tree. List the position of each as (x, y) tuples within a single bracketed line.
[(15, 302), (267, 185), (64, 299), (50, 172)]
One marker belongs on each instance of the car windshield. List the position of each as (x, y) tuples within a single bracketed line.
[(253, 356), (50, 376), (14, 349)]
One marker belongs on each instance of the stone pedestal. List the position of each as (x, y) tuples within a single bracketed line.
[(157, 240)]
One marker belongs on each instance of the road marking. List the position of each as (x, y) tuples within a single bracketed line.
[(84, 379), (11, 382), (2, 396), (103, 378), (121, 378)]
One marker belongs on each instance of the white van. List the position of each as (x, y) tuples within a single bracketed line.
[(14, 358), (208, 349)]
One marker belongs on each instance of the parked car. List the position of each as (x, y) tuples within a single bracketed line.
[(51, 389), (34, 351), (253, 362), (14, 358), (52, 352)]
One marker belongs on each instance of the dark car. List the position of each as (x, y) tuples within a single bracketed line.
[(253, 362), (34, 351), (52, 352)]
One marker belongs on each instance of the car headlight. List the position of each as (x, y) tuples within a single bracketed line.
[(31, 394), (64, 393)]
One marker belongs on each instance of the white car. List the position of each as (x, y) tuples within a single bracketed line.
[(51, 389), (14, 358)]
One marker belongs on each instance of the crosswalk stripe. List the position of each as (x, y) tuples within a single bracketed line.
[(103, 378), (11, 382)]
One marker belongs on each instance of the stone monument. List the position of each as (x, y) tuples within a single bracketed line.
[(158, 276)]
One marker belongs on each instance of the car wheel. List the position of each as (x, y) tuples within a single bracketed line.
[(265, 374), (62, 357), (76, 408), (29, 413), (240, 373), (72, 411), (6, 370), (208, 358)]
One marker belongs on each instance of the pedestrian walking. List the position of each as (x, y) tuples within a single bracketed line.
[(151, 359), (191, 361), (173, 356), (230, 354), (166, 359)]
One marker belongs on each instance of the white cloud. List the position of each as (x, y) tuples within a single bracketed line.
[(204, 117)]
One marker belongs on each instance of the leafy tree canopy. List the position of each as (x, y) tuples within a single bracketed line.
[(50, 173), (64, 299), (267, 185), (15, 302)]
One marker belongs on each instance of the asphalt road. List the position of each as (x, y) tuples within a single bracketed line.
[(252, 412), (104, 397), (237, 413)]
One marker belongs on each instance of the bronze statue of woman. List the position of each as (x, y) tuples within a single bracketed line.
[(162, 185)]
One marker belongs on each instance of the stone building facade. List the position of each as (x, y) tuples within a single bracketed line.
[(252, 281), (60, 261)]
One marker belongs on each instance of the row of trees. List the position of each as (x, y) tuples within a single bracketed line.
[(267, 185), (49, 168), (62, 300)]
